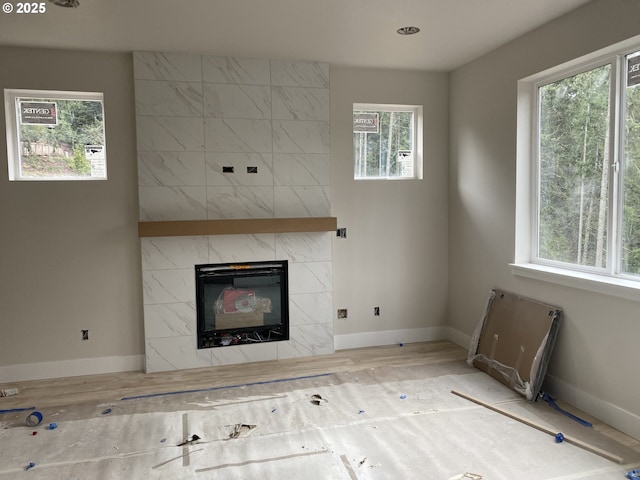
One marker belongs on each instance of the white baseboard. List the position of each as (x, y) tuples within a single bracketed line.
[(459, 338), (71, 368), (389, 337), (609, 413)]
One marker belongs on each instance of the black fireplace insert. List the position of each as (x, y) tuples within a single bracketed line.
[(242, 303)]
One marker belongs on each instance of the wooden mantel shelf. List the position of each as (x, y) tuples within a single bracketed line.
[(236, 226)]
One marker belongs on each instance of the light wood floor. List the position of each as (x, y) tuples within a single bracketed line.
[(113, 387)]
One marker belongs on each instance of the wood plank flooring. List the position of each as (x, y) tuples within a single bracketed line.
[(113, 387)]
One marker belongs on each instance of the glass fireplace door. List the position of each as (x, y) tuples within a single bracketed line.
[(242, 303)]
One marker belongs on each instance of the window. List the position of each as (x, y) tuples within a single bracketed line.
[(579, 146), (387, 141), (53, 135)]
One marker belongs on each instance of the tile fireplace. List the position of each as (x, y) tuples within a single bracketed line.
[(232, 138)]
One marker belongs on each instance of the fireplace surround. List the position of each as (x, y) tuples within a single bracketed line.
[(197, 115)]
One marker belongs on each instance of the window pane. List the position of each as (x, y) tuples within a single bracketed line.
[(631, 181), (386, 148), (60, 138), (573, 169)]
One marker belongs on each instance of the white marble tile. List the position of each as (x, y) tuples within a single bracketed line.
[(304, 246), (169, 134), (168, 286), (301, 169), (242, 163), (241, 248), (258, 352), (302, 201), (299, 74), (167, 66), (297, 103), (178, 181), (160, 253), (307, 340), (247, 71), (237, 101), (172, 203), (160, 98), (296, 136), (175, 353), (170, 320), (313, 277), (310, 308), (240, 202), (171, 168), (238, 135)]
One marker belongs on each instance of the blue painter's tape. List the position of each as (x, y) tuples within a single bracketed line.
[(34, 419), (266, 382), (13, 410), (552, 403)]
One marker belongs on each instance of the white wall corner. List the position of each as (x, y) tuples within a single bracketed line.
[(459, 338)]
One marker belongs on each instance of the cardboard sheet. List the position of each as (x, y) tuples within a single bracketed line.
[(226, 321), (515, 341)]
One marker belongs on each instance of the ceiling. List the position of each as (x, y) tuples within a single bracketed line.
[(344, 32)]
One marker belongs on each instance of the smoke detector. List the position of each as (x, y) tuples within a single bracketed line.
[(66, 3), (408, 30)]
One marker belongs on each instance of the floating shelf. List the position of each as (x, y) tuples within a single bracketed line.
[(236, 226)]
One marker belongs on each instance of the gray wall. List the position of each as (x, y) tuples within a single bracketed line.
[(594, 363), (395, 253), (452, 242), (69, 252)]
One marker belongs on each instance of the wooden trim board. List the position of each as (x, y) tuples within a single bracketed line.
[(575, 441), (236, 226)]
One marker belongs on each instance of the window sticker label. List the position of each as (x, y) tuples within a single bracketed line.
[(38, 113), (97, 158), (365, 123), (633, 71)]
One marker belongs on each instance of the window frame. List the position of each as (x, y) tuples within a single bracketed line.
[(417, 137), (14, 160), (610, 279)]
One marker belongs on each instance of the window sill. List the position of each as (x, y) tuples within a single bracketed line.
[(616, 287)]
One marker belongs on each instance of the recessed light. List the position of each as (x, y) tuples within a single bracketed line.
[(408, 30)]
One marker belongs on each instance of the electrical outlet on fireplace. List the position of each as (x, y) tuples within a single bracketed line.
[(85, 334)]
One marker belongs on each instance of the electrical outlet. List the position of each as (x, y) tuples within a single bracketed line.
[(85, 334), (342, 313), (341, 232), (376, 311)]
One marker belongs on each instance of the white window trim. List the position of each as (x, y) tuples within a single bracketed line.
[(417, 137), (613, 286), (11, 118), (524, 263)]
